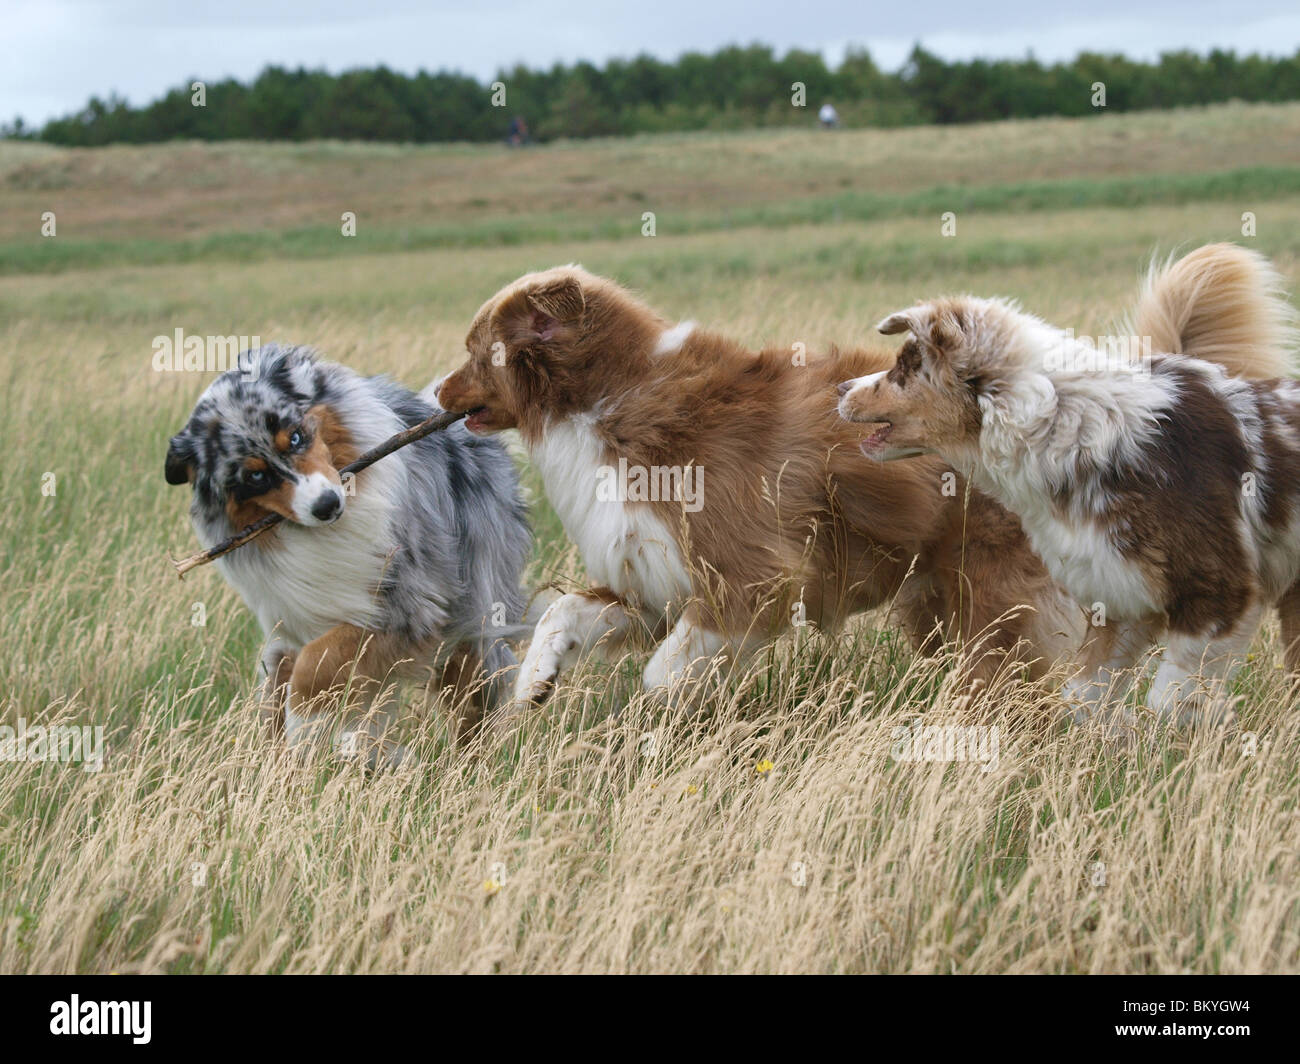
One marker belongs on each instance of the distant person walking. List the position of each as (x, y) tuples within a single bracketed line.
[(828, 116), (518, 132)]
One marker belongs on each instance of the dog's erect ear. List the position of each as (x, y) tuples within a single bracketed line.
[(901, 321), (543, 313), (180, 460), (940, 330)]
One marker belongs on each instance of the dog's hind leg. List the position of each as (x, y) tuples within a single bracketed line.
[(478, 681), (1190, 686), (347, 668), (921, 610), (583, 622), (1110, 668)]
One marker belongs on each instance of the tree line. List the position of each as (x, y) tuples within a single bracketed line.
[(735, 87)]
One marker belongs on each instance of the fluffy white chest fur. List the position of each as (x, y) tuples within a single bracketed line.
[(1083, 558), (313, 579), (625, 546), (1031, 444)]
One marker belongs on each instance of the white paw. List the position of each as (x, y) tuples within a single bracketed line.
[(542, 664), (567, 624)]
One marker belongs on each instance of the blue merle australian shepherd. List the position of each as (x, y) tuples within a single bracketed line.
[(410, 569)]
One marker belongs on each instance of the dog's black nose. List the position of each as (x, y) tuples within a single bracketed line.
[(326, 508), (844, 387)]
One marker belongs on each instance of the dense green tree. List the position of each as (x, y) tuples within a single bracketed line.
[(734, 87)]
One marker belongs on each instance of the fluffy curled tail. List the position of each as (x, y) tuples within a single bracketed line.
[(1224, 304)]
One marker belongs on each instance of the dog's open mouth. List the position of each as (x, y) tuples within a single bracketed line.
[(873, 444), (476, 420)]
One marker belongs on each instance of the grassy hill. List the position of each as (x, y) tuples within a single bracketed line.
[(206, 202)]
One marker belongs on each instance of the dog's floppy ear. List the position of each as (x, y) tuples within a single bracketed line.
[(561, 300), (543, 313), (180, 459)]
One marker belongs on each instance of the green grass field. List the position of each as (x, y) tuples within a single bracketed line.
[(772, 833)]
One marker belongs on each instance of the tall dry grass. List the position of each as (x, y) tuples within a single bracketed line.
[(775, 833)]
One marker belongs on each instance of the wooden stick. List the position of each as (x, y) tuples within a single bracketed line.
[(416, 432)]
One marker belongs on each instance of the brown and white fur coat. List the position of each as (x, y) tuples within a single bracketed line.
[(1160, 490), (789, 522)]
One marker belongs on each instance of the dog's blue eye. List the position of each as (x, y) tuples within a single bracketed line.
[(256, 477), (295, 440)]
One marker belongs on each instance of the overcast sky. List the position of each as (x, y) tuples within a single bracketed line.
[(54, 54)]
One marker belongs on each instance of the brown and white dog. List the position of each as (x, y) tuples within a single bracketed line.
[(765, 513), (1159, 488)]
